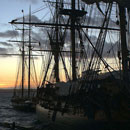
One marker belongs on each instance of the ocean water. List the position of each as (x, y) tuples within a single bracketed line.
[(8, 115), (28, 121)]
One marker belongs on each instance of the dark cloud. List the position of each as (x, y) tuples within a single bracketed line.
[(5, 44), (110, 49), (41, 38), (125, 3), (9, 33), (3, 50), (98, 21)]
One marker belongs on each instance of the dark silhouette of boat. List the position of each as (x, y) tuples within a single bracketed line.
[(88, 92)]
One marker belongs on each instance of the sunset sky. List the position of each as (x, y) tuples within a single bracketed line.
[(9, 10), (12, 9)]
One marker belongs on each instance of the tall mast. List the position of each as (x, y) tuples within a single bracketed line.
[(73, 18), (23, 54), (123, 42), (29, 58), (57, 46)]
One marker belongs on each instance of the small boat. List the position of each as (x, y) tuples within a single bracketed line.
[(24, 99), (23, 104)]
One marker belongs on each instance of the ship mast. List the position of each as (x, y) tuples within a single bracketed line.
[(124, 50), (23, 60), (73, 18), (57, 46), (29, 60)]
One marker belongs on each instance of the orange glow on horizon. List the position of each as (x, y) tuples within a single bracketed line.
[(8, 71)]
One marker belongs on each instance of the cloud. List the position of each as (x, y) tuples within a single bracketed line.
[(125, 3), (5, 44), (31, 1), (35, 19), (98, 21), (8, 34), (42, 38), (3, 50), (110, 49)]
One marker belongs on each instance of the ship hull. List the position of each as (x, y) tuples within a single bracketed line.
[(26, 105), (74, 122), (44, 115)]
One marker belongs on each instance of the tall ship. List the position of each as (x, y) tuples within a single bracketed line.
[(24, 97), (86, 61)]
